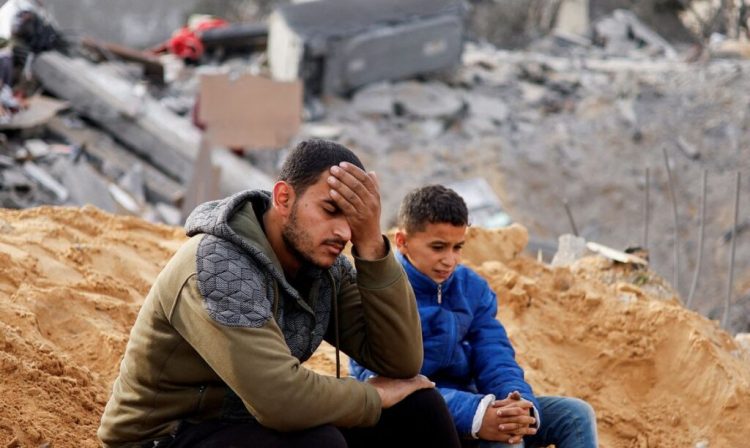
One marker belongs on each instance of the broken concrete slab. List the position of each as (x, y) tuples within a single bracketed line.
[(158, 135), (136, 23), (569, 249), (493, 109), (336, 46), (623, 31), (46, 180), (484, 206), (114, 160), (427, 100), (374, 99), (36, 148), (573, 18), (39, 111), (85, 184), (134, 182), (11, 179)]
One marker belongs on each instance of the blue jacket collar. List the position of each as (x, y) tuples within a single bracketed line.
[(421, 283)]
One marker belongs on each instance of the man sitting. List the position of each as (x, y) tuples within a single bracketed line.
[(466, 349)]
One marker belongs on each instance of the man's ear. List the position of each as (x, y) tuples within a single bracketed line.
[(283, 198), (401, 241)]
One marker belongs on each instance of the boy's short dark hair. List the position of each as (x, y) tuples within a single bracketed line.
[(432, 204), (310, 158)]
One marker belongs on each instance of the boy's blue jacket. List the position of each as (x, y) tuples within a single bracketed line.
[(466, 349)]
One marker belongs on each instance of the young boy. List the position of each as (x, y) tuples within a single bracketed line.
[(466, 349)]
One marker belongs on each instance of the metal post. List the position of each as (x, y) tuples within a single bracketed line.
[(730, 286), (570, 217), (646, 210), (702, 231), (676, 275)]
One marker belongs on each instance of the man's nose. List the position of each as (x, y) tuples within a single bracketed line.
[(342, 230), (451, 259)]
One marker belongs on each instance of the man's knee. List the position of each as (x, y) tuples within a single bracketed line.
[(426, 397), (581, 409), (425, 407)]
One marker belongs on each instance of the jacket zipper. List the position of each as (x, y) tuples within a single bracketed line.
[(440, 293), (201, 396)]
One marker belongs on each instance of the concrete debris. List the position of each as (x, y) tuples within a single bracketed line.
[(493, 109), (426, 100), (485, 209), (623, 32), (374, 99), (615, 255), (576, 115), (85, 184), (569, 249), (113, 159), (336, 46), (37, 112), (166, 140), (573, 18), (168, 214), (125, 201), (46, 180), (688, 148), (134, 182), (36, 148)]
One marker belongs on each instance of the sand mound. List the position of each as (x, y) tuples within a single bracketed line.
[(72, 280)]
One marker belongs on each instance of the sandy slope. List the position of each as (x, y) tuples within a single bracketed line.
[(71, 281)]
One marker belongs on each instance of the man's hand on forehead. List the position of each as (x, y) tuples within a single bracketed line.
[(357, 194)]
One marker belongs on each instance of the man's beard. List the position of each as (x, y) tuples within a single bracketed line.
[(299, 242)]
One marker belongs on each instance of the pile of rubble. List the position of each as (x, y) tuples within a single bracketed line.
[(558, 136)]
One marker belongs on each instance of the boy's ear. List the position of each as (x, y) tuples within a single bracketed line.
[(283, 197), (401, 241)]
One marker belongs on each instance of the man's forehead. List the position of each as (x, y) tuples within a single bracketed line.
[(442, 231)]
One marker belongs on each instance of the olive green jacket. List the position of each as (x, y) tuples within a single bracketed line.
[(222, 335)]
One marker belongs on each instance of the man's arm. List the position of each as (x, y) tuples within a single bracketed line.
[(255, 362), (379, 324)]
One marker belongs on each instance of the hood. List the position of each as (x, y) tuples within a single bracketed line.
[(233, 219)]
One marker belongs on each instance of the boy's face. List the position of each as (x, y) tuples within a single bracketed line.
[(434, 251)]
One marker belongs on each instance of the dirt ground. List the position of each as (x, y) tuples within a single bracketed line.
[(72, 280)]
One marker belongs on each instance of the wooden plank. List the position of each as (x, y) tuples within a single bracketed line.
[(153, 69)]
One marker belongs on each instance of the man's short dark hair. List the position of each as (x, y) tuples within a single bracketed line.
[(433, 204), (310, 158)]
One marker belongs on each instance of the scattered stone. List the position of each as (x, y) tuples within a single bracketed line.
[(569, 249), (375, 99), (427, 100)]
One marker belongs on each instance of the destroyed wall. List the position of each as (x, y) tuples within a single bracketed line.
[(136, 23)]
